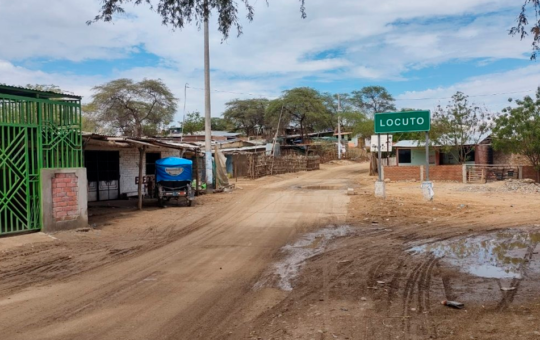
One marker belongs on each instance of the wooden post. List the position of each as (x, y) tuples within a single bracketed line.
[(197, 172), (236, 166)]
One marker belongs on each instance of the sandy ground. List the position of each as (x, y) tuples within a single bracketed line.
[(215, 270)]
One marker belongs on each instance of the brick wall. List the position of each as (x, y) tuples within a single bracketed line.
[(402, 173), (529, 172), (436, 173), (482, 154), (64, 194), (446, 173)]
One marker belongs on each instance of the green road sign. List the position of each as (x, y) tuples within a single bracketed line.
[(412, 121)]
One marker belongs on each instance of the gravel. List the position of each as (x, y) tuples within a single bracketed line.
[(525, 186)]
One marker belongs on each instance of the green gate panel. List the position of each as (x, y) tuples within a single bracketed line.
[(34, 134)]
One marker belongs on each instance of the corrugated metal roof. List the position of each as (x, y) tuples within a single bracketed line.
[(142, 141), (26, 92)]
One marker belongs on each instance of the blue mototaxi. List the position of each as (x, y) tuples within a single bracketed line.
[(173, 180)]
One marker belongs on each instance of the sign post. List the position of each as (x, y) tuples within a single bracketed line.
[(380, 190), (395, 122)]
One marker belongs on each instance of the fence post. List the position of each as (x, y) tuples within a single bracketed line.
[(464, 173), (520, 172), (421, 173)]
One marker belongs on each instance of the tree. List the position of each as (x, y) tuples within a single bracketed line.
[(331, 102), (303, 107), (523, 23), (460, 126), (178, 13), (135, 109), (517, 130), (219, 124), (246, 115), (193, 123), (373, 99)]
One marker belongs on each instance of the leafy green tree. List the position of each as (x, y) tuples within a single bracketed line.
[(517, 130), (178, 13), (460, 126), (219, 124), (523, 23), (303, 107), (193, 123), (246, 115), (418, 136), (373, 99), (347, 108), (135, 109)]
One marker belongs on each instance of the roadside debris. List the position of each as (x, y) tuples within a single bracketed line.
[(507, 289), (453, 304)]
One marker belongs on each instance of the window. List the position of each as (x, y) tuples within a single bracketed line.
[(151, 159), (404, 156)]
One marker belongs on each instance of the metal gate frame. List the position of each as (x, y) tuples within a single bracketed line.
[(38, 130)]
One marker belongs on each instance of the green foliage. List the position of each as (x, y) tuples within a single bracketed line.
[(219, 124), (358, 124), (303, 108), (193, 123), (458, 124), (523, 23), (517, 130), (347, 109), (131, 108), (373, 99), (246, 115), (178, 13)]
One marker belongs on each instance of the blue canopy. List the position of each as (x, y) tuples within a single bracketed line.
[(173, 169)]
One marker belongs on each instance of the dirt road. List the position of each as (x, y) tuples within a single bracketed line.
[(287, 257), (175, 273)]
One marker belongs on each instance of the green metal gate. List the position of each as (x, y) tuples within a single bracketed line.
[(37, 130)]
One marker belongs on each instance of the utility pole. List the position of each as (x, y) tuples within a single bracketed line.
[(184, 118), (207, 106), (339, 125)]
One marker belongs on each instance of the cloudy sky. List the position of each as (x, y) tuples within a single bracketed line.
[(423, 51)]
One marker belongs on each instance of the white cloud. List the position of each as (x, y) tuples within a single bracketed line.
[(367, 39), (491, 90)]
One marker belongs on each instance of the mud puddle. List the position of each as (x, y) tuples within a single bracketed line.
[(283, 273), (509, 254)]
